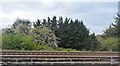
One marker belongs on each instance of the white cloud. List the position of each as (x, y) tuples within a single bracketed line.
[(48, 2), (98, 18), (32, 11), (8, 19)]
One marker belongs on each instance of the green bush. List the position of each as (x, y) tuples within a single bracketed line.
[(44, 48), (18, 42), (110, 44), (25, 42)]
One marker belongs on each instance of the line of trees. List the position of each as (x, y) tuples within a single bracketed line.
[(53, 33), (64, 33)]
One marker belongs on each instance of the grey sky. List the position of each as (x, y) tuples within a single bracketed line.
[(97, 16)]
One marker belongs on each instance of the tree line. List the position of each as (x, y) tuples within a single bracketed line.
[(59, 33), (64, 33)]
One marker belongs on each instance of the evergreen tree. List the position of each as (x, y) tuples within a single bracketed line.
[(116, 26), (37, 23), (72, 34), (94, 43), (49, 22), (44, 22), (114, 29), (113, 32), (54, 23)]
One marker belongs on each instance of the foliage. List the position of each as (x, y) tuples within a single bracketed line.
[(68, 33), (110, 44), (49, 33), (45, 48), (111, 36), (43, 35), (68, 49), (114, 29), (0, 38), (92, 43), (19, 27), (72, 34), (18, 42)]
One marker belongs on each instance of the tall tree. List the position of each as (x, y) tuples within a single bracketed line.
[(116, 26), (114, 29), (37, 23), (72, 34), (44, 22), (94, 43), (54, 23), (48, 22)]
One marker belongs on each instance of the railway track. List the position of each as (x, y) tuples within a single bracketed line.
[(13, 57), (57, 53)]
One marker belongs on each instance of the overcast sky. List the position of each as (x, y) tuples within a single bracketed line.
[(96, 15)]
